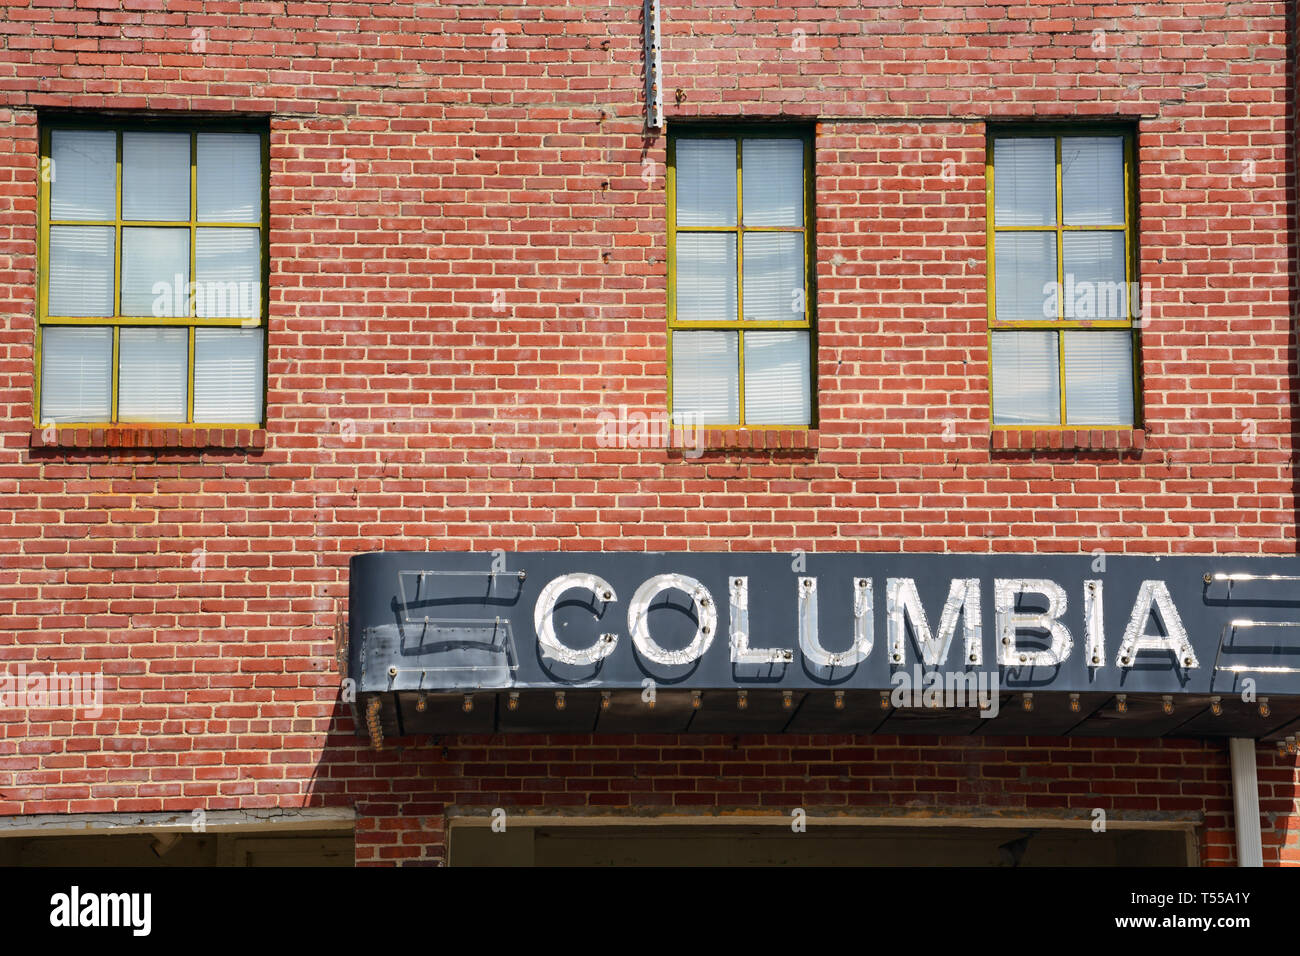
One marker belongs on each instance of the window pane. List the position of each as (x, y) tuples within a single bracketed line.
[(706, 277), (230, 177), (83, 178), (774, 276), (81, 270), (1026, 381), (228, 271), (1099, 378), (1025, 264), (228, 375), (152, 374), (773, 182), (777, 382), (706, 377), (1092, 180), (1024, 182), (706, 182), (1094, 276), (76, 374), (155, 271), (156, 176)]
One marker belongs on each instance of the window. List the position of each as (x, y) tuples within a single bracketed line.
[(1063, 293), (152, 257), (739, 277)]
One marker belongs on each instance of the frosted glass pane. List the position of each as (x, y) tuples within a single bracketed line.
[(156, 176), (152, 374), (706, 277), (706, 378), (230, 177), (777, 384), (1026, 379), (83, 178), (81, 270), (773, 182), (228, 272), (1094, 276), (1092, 180), (76, 374), (1099, 378), (774, 276), (1025, 263), (1024, 182), (155, 271), (228, 367), (706, 182)]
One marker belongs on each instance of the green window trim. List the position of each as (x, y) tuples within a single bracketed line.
[(1059, 229), (740, 133), (193, 126)]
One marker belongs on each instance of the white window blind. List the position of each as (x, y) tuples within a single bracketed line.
[(706, 377), (1092, 180), (156, 176), (774, 290), (228, 270), (153, 374), (229, 177), (706, 277), (228, 375), (1099, 377), (83, 174), (773, 182), (1024, 181), (777, 390), (76, 374), (1026, 379), (1094, 271), (81, 271), (706, 182), (155, 271), (1026, 264)]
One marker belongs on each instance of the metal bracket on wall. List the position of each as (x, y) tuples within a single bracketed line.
[(654, 90), (341, 637), (373, 724)]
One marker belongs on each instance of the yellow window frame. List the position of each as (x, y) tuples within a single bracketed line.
[(740, 133), (117, 321), (1058, 133)]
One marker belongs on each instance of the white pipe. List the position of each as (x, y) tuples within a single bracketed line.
[(1245, 801)]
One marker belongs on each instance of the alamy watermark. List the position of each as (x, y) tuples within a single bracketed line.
[(37, 690), (227, 300), (1084, 299), (933, 688), (635, 429)]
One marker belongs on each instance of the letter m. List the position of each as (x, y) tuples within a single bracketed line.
[(904, 605)]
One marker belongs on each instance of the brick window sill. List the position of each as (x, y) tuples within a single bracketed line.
[(761, 439), (1068, 439), (195, 437)]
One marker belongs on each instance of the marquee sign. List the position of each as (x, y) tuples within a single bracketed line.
[(457, 642)]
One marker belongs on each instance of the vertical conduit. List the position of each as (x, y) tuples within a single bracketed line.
[(1245, 801)]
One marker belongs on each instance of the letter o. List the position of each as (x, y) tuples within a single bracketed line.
[(638, 619)]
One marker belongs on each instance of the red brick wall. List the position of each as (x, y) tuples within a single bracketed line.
[(416, 172), (405, 795)]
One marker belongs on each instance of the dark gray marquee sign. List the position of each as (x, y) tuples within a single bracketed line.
[(454, 642)]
